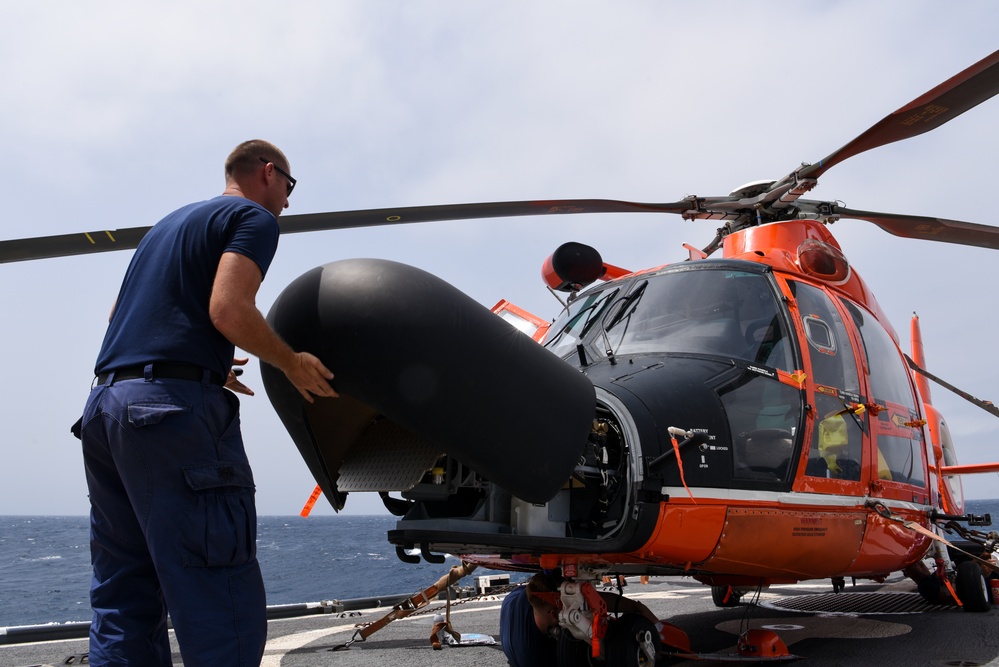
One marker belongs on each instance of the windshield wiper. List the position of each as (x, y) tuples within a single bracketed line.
[(589, 312), (628, 305), (596, 307)]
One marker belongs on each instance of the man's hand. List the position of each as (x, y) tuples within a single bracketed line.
[(234, 313), (310, 376), (232, 383)]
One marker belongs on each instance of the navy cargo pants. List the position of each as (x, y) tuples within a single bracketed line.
[(173, 525)]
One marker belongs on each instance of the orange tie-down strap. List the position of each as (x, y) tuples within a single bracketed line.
[(414, 603), (912, 525)]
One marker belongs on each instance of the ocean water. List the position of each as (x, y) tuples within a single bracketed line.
[(45, 563)]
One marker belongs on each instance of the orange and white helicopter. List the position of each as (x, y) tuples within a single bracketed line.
[(743, 420)]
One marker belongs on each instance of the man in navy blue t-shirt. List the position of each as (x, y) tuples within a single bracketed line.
[(529, 624), (526, 624), (173, 520)]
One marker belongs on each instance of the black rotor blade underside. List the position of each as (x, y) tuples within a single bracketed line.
[(938, 106), (927, 228), (947, 101), (64, 245), (398, 216)]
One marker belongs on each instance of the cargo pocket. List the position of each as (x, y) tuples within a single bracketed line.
[(222, 531), (145, 414)]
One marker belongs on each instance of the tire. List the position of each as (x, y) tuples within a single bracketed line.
[(571, 652), (972, 589), (625, 638), (725, 596)]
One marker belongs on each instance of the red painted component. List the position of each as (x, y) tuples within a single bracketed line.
[(599, 609), (762, 644), (823, 261)]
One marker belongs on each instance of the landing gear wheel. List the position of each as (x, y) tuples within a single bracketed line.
[(632, 641), (571, 652), (972, 589), (725, 596)]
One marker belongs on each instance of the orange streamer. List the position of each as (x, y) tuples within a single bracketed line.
[(311, 501)]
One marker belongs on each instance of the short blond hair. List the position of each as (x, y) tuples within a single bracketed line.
[(245, 158)]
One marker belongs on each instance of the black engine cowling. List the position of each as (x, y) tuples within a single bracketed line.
[(410, 349)]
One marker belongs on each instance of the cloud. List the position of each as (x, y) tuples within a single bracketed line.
[(118, 112)]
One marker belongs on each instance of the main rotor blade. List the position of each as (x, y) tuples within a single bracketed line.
[(64, 245), (945, 102), (928, 229), (408, 214), (988, 406)]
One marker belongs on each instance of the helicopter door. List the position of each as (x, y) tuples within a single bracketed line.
[(895, 421), (836, 449)]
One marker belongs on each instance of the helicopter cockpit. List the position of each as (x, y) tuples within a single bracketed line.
[(723, 312), (717, 326), (735, 335)]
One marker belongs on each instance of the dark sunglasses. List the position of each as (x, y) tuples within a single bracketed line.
[(291, 180)]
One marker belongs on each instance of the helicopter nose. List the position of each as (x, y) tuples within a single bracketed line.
[(418, 361)]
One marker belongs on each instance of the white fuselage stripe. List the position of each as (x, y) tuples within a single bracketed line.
[(791, 499)]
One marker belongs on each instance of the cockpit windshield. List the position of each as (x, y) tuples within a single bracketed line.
[(576, 320), (716, 311)]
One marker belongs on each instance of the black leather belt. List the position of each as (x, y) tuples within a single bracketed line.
[(162, 370)]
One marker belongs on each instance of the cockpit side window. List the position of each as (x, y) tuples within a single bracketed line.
[(837, 441), (763, 416), (899, 446), (833, 364), (889, 373)]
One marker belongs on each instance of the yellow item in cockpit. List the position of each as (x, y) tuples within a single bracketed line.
[(833, 440)]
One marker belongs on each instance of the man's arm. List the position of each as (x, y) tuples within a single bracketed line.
[(234, 313)]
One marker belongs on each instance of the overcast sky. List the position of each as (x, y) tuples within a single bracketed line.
[(115, 113)]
